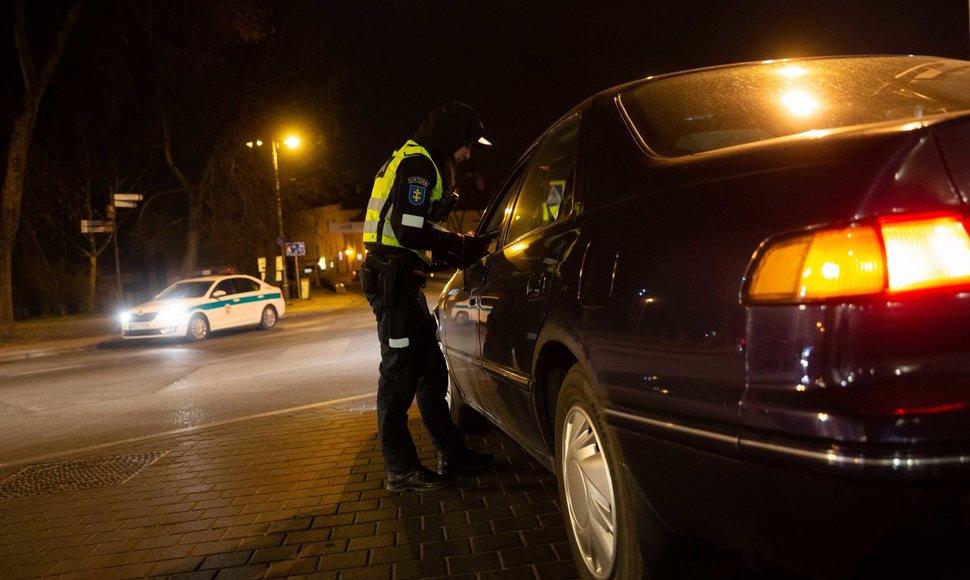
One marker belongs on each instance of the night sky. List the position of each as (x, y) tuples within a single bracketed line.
[(522, 64)]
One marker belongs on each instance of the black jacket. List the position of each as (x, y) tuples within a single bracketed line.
[(444, 131)]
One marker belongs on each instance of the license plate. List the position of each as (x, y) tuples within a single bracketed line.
[(139, 325)]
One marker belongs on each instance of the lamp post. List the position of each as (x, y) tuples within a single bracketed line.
[(292, 142), (281, 239)]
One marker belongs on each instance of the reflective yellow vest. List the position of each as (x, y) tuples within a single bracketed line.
[(382, 191)]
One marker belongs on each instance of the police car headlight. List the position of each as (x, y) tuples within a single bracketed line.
[(124, 316), (170, 315)]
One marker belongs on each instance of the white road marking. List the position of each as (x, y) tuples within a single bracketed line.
[(59, 454), (55, 369)]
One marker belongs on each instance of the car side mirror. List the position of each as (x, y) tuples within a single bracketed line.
[(218, 293)]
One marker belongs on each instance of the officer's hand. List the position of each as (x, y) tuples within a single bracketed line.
[(474, 248)]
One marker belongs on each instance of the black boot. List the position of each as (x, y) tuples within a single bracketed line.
[(418, 479)]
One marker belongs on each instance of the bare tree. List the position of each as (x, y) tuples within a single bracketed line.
[(35, 81), (194, 55)]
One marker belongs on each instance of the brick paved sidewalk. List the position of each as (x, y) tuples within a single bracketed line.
[(299, 493)]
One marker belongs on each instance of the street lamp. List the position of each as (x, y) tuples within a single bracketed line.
[(292, 142)]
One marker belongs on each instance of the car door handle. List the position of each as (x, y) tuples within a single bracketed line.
[(535, 287)]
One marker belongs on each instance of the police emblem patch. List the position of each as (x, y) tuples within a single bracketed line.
[(416, 194)]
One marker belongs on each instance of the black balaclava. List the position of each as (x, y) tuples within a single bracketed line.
[(446, 130)]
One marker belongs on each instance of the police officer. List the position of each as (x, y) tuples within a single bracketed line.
[(412, 194)]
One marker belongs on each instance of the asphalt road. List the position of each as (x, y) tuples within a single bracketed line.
[(125, 390)]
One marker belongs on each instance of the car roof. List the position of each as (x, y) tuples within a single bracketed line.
[(753, 63), (214, 278)]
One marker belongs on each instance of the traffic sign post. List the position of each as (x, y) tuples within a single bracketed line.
[(296, 249), (128, 200)]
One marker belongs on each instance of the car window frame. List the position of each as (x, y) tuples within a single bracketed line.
[(509, 194), (576, 115)]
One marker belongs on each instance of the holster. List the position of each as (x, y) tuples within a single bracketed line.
[(368, 278), (381, 275)]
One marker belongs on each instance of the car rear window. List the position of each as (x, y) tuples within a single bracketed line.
[(707, 110)]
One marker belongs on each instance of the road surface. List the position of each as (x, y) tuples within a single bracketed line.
[(125, 390)]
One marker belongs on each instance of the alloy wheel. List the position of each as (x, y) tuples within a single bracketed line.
[(269, 318), (589, 493), (198, 328)]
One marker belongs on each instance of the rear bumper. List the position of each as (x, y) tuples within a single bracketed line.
[(835, 512), (880, 520)]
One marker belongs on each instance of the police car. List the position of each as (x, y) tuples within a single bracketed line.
[(473, 310), (197, 306)]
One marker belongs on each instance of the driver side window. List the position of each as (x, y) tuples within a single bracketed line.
[(504, 207), (546, 194), (225, 286)]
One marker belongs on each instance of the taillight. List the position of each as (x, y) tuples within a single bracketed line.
[(898, 254), (926, 253)]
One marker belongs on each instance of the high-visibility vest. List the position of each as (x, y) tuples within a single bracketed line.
[(382, 191)]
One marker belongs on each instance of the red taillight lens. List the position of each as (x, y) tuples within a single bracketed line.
[(901, 254), (926, 253)]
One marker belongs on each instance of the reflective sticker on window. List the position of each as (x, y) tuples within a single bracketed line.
[(414, 221)]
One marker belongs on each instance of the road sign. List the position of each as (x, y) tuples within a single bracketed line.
[(127, 197), (296, 249), (347, 228), (96, 227)]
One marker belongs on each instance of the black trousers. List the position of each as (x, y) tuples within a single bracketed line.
[(412, 366)]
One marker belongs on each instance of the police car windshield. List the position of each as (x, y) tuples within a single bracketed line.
[(185, 290)]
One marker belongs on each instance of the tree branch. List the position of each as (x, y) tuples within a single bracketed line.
[(23, 49), (57, 48)]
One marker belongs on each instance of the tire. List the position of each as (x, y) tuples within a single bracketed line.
[(268, 318), (599, 514), (198, 328), (467, 419)]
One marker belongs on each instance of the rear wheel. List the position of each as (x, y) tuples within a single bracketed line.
[(198, 328), (268, 318), (599, 520)]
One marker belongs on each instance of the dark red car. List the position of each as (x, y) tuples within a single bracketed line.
[(731, 307)]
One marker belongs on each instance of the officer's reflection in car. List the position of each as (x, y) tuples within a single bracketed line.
[(411, 198)]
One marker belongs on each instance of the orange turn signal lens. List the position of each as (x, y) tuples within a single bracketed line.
[(843, 263), (780, 270), (846, 262), (905, 254)]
